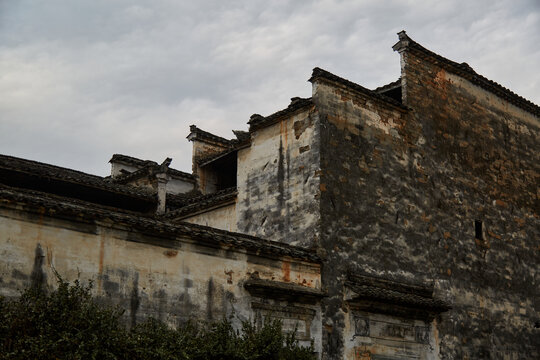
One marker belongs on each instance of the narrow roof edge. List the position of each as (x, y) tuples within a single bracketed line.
[(406, 43)]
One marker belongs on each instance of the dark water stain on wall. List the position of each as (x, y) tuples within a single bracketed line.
[(210, 299), (38, 277), (135, 300), (281, 184)]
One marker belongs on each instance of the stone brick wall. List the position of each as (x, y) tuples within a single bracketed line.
[(478, 160), (400, 194)]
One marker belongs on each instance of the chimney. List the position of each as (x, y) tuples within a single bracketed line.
[(162, 180)]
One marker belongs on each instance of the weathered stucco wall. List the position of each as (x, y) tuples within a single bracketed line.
[(376, 336), (278, 181), (172, 279), (400, 195), (223, 217), (179, 186)]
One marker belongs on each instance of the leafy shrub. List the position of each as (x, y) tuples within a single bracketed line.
[(63, 324), (68, 324)]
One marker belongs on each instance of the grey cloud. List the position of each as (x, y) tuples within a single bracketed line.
[(82, 80)]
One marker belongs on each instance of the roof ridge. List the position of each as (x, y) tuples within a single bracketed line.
[(45, 165), (463, 69), (324, 74)]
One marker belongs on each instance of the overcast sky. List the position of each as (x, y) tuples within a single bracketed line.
[(81, 80)]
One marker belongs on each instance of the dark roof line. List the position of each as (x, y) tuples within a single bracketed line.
[(148, 170), (65, 208), (208, 159), (176, 201), (205, 135), (130, 160), (279, 289), (464, 70), (59, 173), (366, 292), (257, 121), (319, 73), (123, 179), (203, 202)]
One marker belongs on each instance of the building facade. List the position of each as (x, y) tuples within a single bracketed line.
[(395, 223)]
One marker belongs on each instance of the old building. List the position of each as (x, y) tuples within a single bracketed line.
[(398, 223)]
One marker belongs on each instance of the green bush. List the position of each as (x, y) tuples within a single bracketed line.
[(64, 324), (68, 324)]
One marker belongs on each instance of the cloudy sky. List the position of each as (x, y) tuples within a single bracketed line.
[(81, 80)]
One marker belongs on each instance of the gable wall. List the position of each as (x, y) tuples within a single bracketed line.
[(479, 158), (402, 191), (278, 181)]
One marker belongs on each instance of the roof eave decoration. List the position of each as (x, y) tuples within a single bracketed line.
[(278, 290), (405, 43)]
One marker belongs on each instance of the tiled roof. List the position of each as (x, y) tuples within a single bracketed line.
[(282, 290), (201, 161), (130, 160), (392, 292), (195, 204), (392, 85), (176, 201), (319, 73), (145, 166), (257, 121), (60, 207), (39, 169), (465, 71), (242, 136)]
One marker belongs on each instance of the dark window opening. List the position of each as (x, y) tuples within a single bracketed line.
[(478, 229), (221, 173), (394, 93)]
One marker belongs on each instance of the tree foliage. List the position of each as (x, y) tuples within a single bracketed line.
[(68, 323)]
